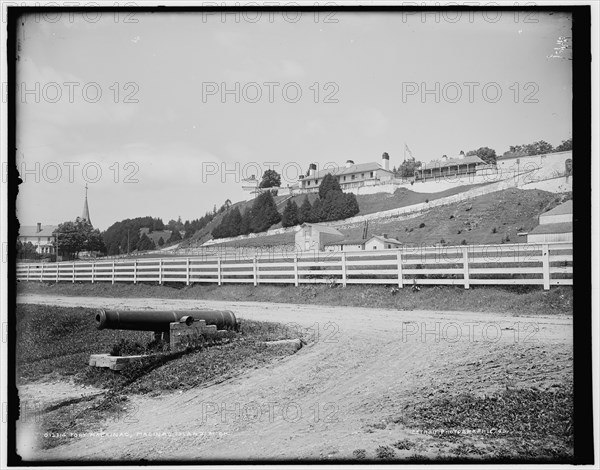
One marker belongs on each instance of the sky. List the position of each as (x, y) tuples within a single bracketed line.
[(164, 114)]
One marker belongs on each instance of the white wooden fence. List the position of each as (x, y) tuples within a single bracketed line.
[(516, 264)]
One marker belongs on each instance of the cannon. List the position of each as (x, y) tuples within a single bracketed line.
[(160, 320)]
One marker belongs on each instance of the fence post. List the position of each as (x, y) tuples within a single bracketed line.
[(160, 271), (546, 266), (466, 266), (93, 269), (57, 272), (296, 281), (28, 268), (73, 273), (344, 272), (255, 270), (135, 271), (219, 270), (400, 275), (42, 273), (113, 272), (187, 272)]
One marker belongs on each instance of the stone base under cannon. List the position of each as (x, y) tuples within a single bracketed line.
[(179, 336), (113, 362)]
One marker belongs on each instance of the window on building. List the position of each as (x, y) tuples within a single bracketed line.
[(344, 178), (353, 176), (371, 174), (389, 246), (362, 175), (374, 247), (316, 181)]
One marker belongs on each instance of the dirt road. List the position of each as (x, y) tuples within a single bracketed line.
[(341, 393)]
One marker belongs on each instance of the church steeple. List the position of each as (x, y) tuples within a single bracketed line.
[(86, 209)]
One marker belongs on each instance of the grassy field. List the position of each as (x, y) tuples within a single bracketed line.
[(525, 300), (488, 219)]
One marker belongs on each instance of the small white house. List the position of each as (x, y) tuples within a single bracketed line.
[(382, 242), (561, 213), (41, 236), (556, 225), (311, 237), (346, 245)]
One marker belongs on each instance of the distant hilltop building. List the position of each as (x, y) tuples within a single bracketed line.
[(350, 175), (458, 166)]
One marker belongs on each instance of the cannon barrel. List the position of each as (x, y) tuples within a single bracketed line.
[(159, 320)]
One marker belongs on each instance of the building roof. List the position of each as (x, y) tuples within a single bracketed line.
[(342, 170), (386, 240), (356, 241), (563, 227), (564, 208), (453, 162), (31, 230)]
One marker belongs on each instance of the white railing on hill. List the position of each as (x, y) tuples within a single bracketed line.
[(545, 264)]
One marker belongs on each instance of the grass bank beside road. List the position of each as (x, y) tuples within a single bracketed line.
[(515, 300)]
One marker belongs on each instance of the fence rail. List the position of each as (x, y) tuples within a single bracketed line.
[(548, 264)]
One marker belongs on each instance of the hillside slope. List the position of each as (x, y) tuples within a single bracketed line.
[(491, 218), (368, 204)]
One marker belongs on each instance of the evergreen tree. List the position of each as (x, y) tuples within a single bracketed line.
[(145, 243), (161, 241), (316, 213), (264, 213), (246, 224), (290, 214), (329, 183), (304, 211), (234, 222), (351, 205), (175, 237)]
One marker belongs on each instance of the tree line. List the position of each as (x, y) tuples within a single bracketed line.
[(332, 204)]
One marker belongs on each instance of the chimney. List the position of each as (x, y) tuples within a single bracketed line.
[(461, 155), (39, 227), (444, 158), (312, 168), (384, 235), (385, 161), (349, 163)]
